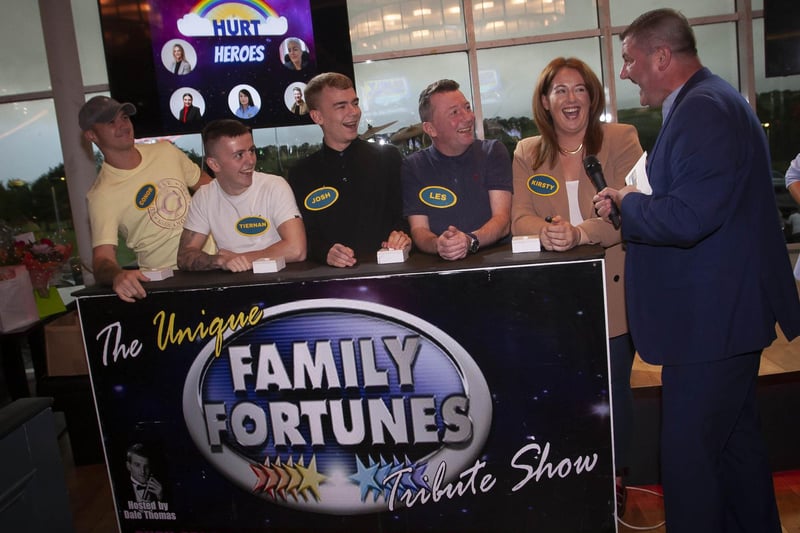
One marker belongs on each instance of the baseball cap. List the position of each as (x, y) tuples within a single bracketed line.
[(102, 109)]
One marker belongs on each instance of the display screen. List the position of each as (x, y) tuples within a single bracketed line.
[(184, 63)]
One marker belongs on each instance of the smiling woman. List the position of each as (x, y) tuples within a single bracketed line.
[(568, 101)]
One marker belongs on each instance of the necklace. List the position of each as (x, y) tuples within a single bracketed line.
[(571, 152)]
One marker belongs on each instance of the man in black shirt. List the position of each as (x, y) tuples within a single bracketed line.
[(349, 191)]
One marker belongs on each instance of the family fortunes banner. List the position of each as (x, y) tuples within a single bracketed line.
[(471, 400)]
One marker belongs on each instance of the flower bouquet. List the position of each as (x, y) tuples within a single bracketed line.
[(42, 258)]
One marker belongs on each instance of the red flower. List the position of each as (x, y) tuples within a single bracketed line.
[(42, 254)]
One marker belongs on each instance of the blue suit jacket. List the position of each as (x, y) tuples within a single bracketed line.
[(707, 270)]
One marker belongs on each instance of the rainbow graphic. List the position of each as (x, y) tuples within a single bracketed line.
[(204, 7), (242, 17)]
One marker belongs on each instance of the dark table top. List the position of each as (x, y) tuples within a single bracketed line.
[(492, 257)]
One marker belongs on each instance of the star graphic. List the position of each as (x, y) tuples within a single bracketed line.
[(311, 478), (283, 478), (262, 477), (384, 470), (418, 476), (272, 480), (299, 466), (365, 477), (294, 478), (394, 466), (406, 479)]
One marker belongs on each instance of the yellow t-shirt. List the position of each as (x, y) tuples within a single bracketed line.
[(146, 205)]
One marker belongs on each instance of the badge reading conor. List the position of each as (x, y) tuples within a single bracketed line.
[(145, 196)]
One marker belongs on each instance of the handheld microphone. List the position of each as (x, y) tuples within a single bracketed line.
[(595, 172)]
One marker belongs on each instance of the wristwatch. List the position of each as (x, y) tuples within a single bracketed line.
[(474, 243)]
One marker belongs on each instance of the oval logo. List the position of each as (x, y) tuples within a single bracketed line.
[(440, 197), (543, 185), (146, 196), (321, 198), (252, 226), (327, 405)]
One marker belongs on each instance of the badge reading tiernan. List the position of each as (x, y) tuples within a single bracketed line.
[(251, 226)]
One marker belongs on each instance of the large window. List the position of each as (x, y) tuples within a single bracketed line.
[(624, 11), (389, 90), (494, 48), (717, 46), (383, 26)]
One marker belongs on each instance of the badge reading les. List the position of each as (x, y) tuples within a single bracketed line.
[(326, 404), (436, 196)]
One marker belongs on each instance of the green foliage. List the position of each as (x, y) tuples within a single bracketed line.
[(16, 203), (279, 159), (647, 122), (509, 131)]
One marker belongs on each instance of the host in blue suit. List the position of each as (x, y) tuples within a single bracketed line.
[(707, 276)]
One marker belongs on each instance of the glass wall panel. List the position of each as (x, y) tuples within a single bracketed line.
[(285, 146), (507, 79), (378, 26), (778, 107), (501, 19), (389, 90), (22, 50), (508, 75), (29, 142), (623, 12), (716, 44), (90, 42)]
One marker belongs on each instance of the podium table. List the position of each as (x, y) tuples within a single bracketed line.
[(423, 396)]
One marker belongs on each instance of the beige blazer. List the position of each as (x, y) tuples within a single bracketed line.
[(620, 151)]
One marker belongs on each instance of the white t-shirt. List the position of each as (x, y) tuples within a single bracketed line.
[(246, 222)]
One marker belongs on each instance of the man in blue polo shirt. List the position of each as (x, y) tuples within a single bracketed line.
[(456, 193)]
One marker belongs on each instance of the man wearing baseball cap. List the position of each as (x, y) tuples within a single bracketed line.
[(141, 193)]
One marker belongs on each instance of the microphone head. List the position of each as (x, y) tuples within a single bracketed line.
[(591, 164)]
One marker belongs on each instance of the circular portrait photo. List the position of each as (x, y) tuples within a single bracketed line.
[(294, 54), (294, 98), (244, 101), (187, 105), (178, 56)]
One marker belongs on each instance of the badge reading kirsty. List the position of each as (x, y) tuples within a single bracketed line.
[(543, 185)]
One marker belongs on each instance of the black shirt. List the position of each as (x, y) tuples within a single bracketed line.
[(368, 199)]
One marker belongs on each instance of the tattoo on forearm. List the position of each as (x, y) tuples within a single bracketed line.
[(192, 258)]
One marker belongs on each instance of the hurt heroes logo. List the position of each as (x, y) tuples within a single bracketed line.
[(337, 406), (240, 19)]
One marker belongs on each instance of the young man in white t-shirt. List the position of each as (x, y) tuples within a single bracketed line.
[(251, 215)]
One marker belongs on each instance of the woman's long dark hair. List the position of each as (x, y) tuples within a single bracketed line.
[(593, 140)]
